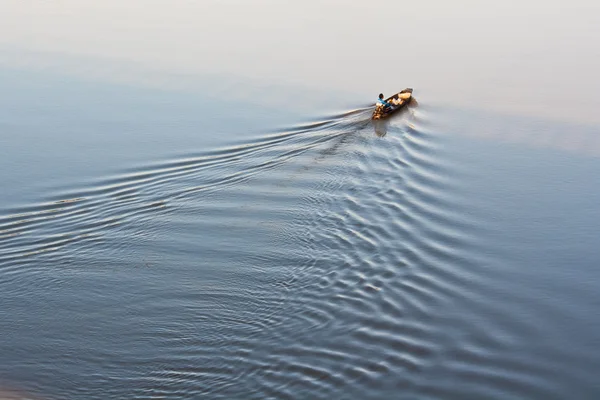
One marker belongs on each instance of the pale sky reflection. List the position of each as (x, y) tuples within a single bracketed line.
[(521, 57)]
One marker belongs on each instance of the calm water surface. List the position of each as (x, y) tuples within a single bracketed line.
[(185, 214)]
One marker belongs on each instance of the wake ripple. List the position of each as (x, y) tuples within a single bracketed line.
[(322, 261), (110, 206)]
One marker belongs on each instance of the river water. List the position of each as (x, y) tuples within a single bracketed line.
[(196, 204)]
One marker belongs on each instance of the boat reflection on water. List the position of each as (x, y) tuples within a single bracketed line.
[(380, 126)]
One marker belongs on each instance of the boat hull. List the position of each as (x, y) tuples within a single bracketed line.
[(399, 101)]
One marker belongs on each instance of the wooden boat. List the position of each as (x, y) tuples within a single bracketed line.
[(398, 102)]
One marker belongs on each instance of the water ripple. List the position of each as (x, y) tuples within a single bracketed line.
[(321, 261)]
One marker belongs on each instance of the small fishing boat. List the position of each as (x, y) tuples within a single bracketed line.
[(397, 101)]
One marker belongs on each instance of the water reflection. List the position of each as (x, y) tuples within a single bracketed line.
[(463, 52), (380, 126), (317, 261), (12, 394), (314, 254)]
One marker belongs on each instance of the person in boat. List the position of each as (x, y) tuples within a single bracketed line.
[(382, 103)]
